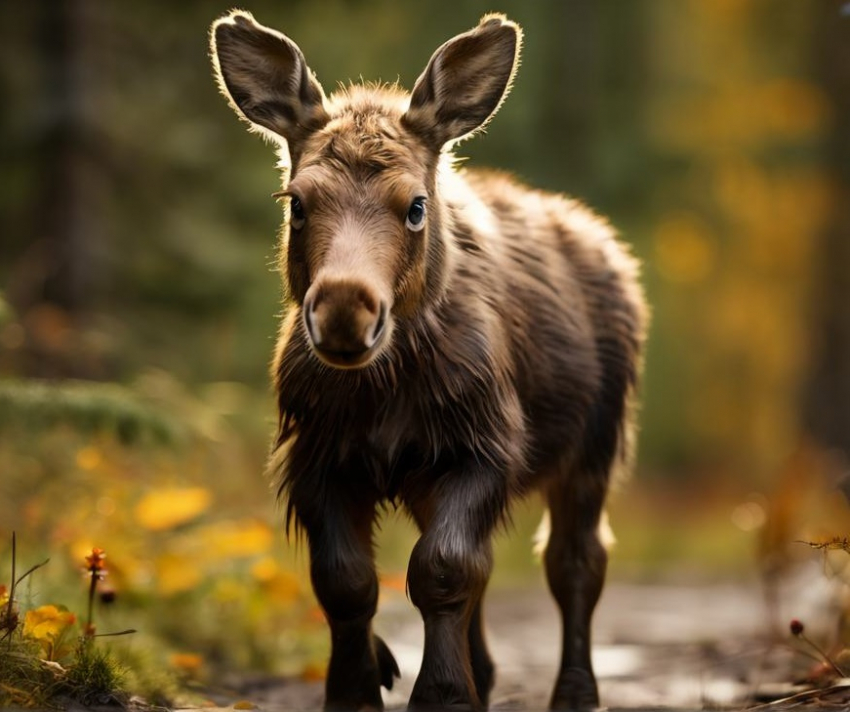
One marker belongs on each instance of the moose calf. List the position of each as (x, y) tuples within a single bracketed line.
[(452, 341)]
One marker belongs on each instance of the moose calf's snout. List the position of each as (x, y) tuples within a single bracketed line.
[(345, 321)]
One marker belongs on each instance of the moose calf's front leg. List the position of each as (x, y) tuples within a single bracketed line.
[(448, 572), (344, 580), (446, 584)]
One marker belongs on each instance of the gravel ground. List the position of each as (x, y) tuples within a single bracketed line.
[(656, 646)]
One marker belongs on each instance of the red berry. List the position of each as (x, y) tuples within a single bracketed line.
[(796, 627)]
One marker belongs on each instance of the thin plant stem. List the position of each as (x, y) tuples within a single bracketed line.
[(30, 570), (11, 590), (824, 655), (129, 631), (92, 588)]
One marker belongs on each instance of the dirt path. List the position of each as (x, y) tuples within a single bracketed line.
[(653, 645), (685, 647)]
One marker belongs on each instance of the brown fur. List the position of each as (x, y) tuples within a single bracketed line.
[(450, 368)]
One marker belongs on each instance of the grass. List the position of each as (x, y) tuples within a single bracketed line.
[(25, 680), (94, 677), (45, 660), (89, 676)]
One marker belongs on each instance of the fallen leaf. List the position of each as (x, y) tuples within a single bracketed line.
[(167, 508)]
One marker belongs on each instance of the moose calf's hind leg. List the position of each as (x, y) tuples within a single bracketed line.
[(576, 561)]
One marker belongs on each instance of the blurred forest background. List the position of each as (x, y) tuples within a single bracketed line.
[(139, 298)]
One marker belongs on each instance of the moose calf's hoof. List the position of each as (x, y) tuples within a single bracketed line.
[(444, 707), (438, 696), (575, 691)]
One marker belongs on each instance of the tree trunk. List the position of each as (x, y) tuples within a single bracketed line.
[(827, 400), (52, 279)]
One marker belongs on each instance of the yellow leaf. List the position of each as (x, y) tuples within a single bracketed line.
[(284, 587), (227, 540), (167, 508), (88, 458), (280, 585), (244, 705), (791, 108), (314, 672), (186, 662), (228, 590), (47, 622), (395, 582), (263, 570), (316, 615), (79, 549), (176, 573), (684, 248)]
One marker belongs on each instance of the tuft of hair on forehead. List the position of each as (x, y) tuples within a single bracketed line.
[(367, 95), (365, 131)]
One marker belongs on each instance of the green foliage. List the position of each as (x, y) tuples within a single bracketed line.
[(25, 680), (89, 408), (94, 678)]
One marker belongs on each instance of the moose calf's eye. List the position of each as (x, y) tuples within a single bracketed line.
[(296, 213), (416, 215)]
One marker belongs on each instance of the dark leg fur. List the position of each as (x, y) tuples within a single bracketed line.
[(483, 670), (448, 572), (344, 579), (446, 589), (576, 561)]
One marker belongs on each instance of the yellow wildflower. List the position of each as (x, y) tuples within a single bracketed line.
[(186, 662), (189, 665), (176, 573), (47, 622), (232, 539), (170, 507), (314, 672)]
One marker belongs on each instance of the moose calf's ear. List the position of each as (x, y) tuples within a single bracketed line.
[(465, 82), (264, 75)]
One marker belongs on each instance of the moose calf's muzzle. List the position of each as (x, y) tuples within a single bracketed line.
[(346, 322)]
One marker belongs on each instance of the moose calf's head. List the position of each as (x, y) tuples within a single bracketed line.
[(363, 234)]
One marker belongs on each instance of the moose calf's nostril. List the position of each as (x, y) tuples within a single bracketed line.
[(379, 325), (311, 321)]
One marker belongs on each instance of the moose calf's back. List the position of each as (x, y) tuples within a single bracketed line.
[(568, 302), (453, 339)]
